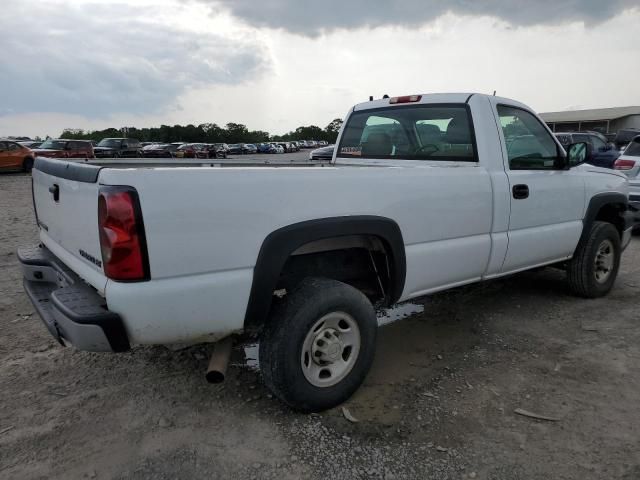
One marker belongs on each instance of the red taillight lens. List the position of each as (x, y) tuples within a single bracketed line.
[(122, 240), (405, 99), (624, 164)]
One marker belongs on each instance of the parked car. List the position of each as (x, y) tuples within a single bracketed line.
[(223, 146), (322, 153), (604, 154), (160, 150), (186, 255), (263, 147), (63, 148), (30, 143), (237, 149), (276, 148), (629, 164), (118, 148), (216, 150), (295, 146), (286, 147), (192, 150), (323, 143), (250, 148), (624, 137), (14, 156)]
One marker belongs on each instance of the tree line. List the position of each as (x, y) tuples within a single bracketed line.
[(207, 133)]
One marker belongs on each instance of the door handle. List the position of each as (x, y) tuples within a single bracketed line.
[(55, 191), (520, 192)]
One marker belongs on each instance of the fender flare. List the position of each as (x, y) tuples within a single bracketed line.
[(280, 244), (595, 205)]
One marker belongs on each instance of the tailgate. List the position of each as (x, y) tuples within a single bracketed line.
[(65, 196)]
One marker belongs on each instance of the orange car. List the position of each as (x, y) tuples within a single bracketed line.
[(14, 156)]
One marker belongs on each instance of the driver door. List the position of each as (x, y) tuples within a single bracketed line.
[(547, 201)]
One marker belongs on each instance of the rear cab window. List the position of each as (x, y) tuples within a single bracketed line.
[(417, 132)]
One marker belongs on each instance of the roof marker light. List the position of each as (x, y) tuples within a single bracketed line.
[(405, 99)]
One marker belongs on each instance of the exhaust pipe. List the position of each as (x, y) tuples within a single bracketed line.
[(219, 361)]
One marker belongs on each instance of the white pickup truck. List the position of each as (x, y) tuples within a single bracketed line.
[(424, 193)]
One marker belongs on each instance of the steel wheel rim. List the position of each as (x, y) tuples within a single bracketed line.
[(330, 349), (604, 261)]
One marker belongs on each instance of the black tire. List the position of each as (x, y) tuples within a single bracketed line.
[(27, 165), (281, 343), (582, 271)]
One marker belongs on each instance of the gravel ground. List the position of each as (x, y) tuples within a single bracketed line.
[(438, 404)]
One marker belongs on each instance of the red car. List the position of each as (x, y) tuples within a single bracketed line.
[(61, 148), (15, 156), (192, 150)]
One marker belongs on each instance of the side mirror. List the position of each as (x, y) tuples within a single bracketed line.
[(578, 153)]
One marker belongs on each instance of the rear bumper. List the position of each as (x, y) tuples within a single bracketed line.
[(72, 311)]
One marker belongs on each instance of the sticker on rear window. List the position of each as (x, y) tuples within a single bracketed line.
[(356, 151)]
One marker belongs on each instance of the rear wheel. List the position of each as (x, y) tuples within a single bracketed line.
[(594, 268), (27, 165), (318, 345)]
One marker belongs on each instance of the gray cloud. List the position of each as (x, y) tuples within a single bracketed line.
[(98, 59), (314, 17)]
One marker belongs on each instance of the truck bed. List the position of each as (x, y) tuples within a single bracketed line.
[(195, 162)]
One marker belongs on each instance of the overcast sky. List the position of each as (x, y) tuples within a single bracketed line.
[(278, 64)]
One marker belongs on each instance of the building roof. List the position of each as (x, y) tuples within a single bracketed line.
[(590, 115)]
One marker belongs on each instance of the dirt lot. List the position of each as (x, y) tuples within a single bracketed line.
[(438, 404)]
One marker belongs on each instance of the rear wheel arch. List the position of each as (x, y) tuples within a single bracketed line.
[(278, 247)]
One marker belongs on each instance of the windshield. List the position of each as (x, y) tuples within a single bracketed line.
[(54, 144), (634, 148), (110, 143), (417, 132)]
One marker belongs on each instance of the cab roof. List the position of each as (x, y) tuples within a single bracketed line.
[(427, 98)]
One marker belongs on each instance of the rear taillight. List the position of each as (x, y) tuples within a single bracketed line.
[(405, 99), (122, 239), (621, 164)]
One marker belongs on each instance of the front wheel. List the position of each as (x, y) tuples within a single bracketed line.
[(27, 165), (318, 345), (593, 269)]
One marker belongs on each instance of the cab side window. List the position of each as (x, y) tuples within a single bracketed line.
[(529, 145), (12, 146)]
